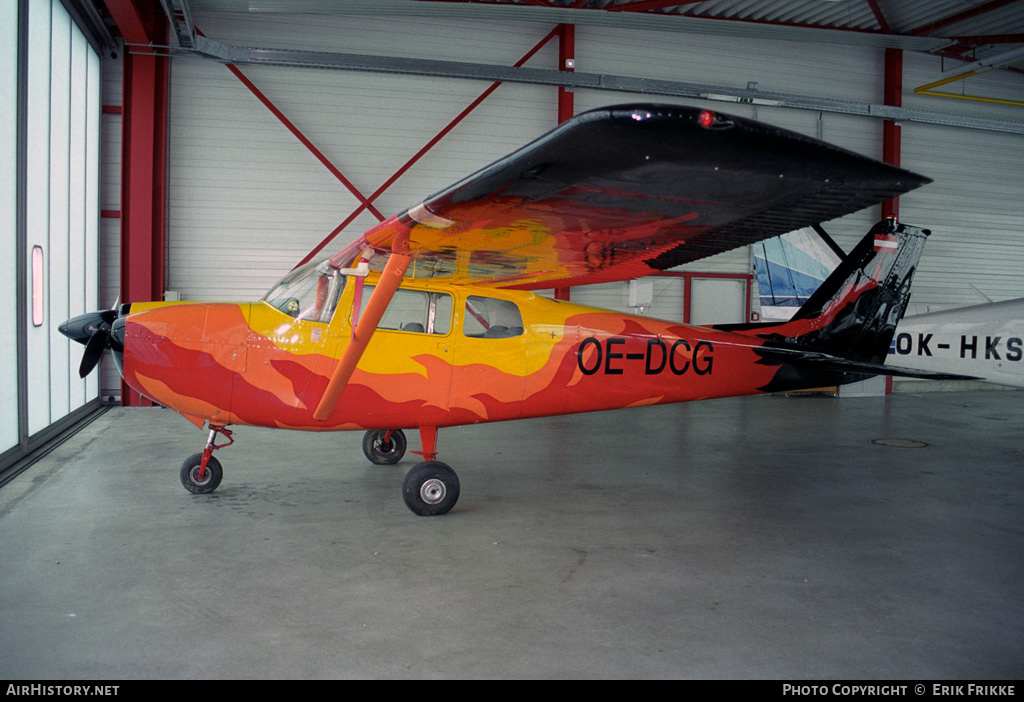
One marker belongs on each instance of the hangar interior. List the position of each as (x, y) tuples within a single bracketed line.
[(199, 149)]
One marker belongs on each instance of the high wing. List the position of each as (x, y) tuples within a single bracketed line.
[(623, 191)]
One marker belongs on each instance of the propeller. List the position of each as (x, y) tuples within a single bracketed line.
[(98, 331)]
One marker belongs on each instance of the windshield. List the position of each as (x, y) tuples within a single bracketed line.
[(309, 292)]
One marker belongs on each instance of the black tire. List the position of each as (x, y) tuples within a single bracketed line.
[(430, 489), (381, 452), (210, 481)]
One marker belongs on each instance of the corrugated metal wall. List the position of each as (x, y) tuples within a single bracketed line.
[(975, 206), (247, 200)]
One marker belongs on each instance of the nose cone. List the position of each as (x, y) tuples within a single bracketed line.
[(115, 343), (84, 326)]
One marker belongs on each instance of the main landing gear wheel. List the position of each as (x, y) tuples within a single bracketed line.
[(382, 449), (211, 476), (430, 489)]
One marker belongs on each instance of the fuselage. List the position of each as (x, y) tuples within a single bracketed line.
[(442, 356), (982, 341)]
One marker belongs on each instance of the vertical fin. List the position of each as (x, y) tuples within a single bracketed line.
[(854, 313)]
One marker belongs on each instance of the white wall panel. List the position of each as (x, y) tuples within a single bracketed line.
[(667, 298), (37, 216), (91, 201), (8, 223), (248, 200), (975, 206), (60, 212), (60, 203)]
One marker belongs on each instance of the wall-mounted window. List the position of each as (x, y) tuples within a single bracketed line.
[(38, 269)]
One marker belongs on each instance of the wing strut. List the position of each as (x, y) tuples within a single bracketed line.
[(390, 278)]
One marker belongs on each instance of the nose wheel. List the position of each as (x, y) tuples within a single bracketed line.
[(198, 479)]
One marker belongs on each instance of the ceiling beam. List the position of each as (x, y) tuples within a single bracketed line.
[(879, 17), (960, 16), (645, 21), (990, 39), (541, 76), (645, 5)]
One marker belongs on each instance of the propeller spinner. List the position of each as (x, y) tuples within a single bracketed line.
[(98, 331)]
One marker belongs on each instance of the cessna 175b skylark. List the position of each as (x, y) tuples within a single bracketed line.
[(428, 320)]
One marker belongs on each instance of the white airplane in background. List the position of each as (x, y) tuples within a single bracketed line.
[(984, 341)]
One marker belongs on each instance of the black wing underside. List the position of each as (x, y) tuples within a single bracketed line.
[(623, 191)]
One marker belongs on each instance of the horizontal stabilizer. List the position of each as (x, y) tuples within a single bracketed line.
[(818, 361)]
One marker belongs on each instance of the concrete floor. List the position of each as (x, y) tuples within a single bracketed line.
[(764, 537)]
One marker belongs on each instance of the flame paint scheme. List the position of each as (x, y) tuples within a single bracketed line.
[(611, 195)]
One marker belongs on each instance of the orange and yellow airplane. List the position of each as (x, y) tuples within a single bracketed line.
[(429, 319)]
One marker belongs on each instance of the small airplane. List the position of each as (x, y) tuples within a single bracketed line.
[(429, 319)]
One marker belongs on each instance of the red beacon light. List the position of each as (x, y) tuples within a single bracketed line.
[(706, 118)]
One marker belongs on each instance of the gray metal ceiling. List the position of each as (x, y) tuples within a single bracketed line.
[(967, 29)]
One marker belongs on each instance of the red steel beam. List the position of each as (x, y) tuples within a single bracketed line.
[(427, 147), (892, 95), (143, 158), (879, 16), (290, 126), (132, 23), (959, 16), (143, 186), (566, 104), (566, 62), (645, 5)]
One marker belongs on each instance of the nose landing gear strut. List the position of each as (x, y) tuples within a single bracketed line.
[(201, 473)]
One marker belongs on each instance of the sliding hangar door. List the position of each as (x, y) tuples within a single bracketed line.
[(49, 160)]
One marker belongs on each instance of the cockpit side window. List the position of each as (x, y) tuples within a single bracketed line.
[(490, 318), (414, 311), (309, 293)]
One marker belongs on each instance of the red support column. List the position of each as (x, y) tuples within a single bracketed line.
[(566, 106), (567, 63), (892, 95), (143, 157)]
